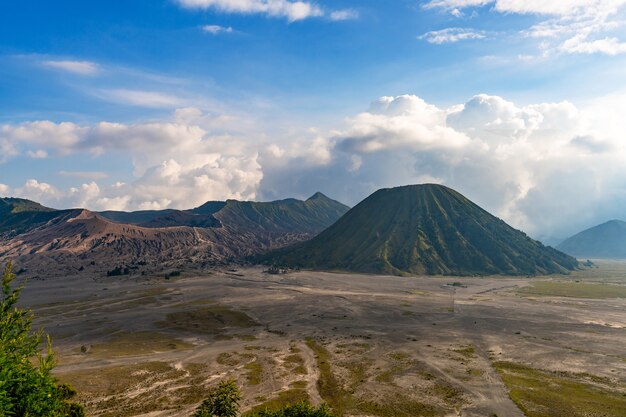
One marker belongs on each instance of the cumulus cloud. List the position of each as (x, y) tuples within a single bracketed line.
[(216, 29), (76, 67), (568, 26), (175, 164), (548, 168), (292, 10), (346, 14), (451, 35)]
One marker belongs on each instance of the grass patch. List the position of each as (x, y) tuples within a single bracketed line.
[(329, 387), (358, 371), (140, 343), (284, 398), (105, 391), (212, 320), (295, 362), (397, 406), (419, 292), (475, 372), (468, 352), (574, 290), (399, 356), (255, 372), (228, 359), (547, 394), (450, 394)]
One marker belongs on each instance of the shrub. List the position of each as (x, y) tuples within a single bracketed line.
[(27, 387), (303, 409), (223, 401)]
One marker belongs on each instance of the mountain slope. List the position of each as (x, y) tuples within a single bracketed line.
[(47, 239), (18, 215), (423, 229), (607, 240)]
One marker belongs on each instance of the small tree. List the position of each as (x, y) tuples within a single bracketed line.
[(223, 401), (27, 387)]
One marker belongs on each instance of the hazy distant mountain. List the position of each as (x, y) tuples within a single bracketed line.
[(423, 229), (45, 238), (605, 241)]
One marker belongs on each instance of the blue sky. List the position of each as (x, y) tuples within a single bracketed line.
[(169, 103)]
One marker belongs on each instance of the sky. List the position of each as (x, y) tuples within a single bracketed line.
[(150, 104)]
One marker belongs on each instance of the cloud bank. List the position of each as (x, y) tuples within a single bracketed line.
[(567, 26), (292, 10), (547, 168)]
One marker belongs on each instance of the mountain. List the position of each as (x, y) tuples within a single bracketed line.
[(423, 229), (605, 241), (47, 240)]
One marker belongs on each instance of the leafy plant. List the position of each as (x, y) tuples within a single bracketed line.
[(27, 387), (303, 409), (223, 401)]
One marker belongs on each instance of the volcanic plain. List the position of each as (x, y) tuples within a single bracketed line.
[(368, 345)]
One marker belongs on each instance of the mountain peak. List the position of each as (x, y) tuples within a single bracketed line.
[(318, 196), (424, 229), (604, 241)]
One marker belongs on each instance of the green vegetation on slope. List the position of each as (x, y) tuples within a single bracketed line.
[(328, 385), (423, 229), (18, 215), (310, 216), (605, 241), (548, 394), (27, 387)]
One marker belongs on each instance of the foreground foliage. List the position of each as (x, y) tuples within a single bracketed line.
[(223, 401), (27, 387), (298, 410)]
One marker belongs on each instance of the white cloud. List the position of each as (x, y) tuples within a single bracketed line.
[(4, 190), (292, 10), (608, 46), (569, 26), (175, 164), (346, 14), (37, 191), (451, 35), (548, 168), (38, 154), (150, 99), (406, 122), (558, 7), (216, 29), (76, 67)]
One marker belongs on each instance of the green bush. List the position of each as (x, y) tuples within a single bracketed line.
[(27, 387), (223, 401), (298, 410)]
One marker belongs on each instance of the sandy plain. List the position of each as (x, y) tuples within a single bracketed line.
[(368, 345)]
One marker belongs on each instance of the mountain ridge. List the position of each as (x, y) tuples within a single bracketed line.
[(216, 232)]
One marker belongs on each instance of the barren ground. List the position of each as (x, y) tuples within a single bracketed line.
[(386, 346)]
